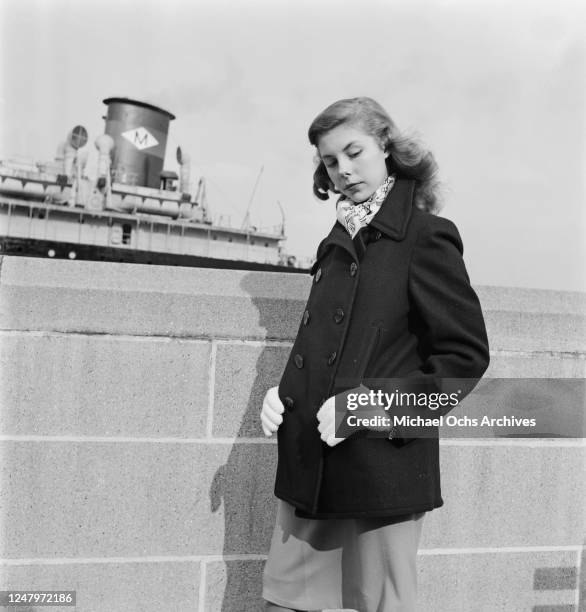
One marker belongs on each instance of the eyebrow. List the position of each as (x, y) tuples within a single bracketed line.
[(350, 144)]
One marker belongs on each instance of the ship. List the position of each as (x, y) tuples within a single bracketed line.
[(132, 210)]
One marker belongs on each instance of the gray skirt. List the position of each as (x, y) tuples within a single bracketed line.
[(366, 564)]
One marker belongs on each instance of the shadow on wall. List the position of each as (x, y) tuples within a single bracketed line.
[(245, 483)]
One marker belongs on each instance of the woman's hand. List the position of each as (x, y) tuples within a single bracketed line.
[(326, 416), (272, 411)]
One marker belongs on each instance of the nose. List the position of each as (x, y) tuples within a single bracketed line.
[(344, 166)]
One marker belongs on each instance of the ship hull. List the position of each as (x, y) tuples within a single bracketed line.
[(50, 249)]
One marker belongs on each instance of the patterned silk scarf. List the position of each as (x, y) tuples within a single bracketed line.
[(356, 216)]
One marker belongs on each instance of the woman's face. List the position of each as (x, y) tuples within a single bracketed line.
[(354, 160)]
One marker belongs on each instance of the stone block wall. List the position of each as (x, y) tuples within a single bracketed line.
[(134, 471)]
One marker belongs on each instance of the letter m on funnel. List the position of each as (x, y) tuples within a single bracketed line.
[(141, 138)]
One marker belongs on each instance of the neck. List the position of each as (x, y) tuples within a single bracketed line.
[(382, 186)]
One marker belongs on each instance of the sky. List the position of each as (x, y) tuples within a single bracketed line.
[(496, 90)]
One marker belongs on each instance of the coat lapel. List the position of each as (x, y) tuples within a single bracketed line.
[(340, 237), (395, 213)]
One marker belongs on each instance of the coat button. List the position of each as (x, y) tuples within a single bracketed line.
[(353, 268), (378, 236), (339, 315), (298, 360), (288, 403), (318, 275), (332, 358), (306, 317)]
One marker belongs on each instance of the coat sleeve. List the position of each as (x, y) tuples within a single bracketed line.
[(452, 342)]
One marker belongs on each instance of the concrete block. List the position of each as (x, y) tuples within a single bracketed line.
[(535, 365), (234, 586), (112, 587), (513, 495), (103, 386), (520, 299), (243, 375), (521, 319), (63, 499), (493, 582), (100, 297), (108, 276), (536, 331), (147, 314)]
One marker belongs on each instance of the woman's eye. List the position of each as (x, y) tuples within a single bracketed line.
[(330, 163), (355, 153)]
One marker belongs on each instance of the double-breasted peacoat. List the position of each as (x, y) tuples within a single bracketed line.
[(403, 307)]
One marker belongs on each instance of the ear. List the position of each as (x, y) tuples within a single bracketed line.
[(384, 146), (385, 142)]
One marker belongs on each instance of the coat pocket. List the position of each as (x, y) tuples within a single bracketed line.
[(369, 347)]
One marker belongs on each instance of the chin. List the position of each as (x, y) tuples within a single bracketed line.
[(361, 196)]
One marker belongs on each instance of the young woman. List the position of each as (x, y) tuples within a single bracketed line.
[(390, 301)]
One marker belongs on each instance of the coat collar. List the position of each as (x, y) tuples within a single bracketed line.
[(392, 219), (395, 213)]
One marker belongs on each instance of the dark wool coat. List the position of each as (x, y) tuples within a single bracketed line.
[(403, 307)]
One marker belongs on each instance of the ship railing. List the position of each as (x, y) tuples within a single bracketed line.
[(27, 175)]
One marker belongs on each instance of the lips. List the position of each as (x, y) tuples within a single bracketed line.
[(352, 185)]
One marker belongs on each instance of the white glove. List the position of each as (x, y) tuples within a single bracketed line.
[(326, 417), (272, 411)]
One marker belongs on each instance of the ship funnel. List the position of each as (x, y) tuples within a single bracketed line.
[(140, 134)]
